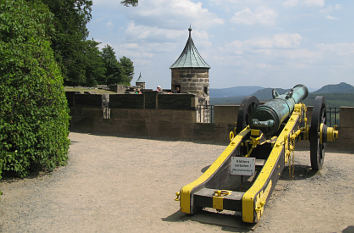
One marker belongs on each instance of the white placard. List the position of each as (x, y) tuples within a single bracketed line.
[(242, 166)]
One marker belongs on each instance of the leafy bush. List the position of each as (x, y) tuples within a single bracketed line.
[(33, 109)]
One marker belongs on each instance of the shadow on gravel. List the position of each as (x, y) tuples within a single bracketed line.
[(9, 177), (301, 172), (228, 222), (167, 139), (349, 229)]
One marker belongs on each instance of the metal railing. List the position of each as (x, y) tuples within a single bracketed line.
[(332, 115), (205, 113)]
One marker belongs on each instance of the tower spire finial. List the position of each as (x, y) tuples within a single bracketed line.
[(190, 30)]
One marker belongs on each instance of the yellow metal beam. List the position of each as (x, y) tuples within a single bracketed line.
[(255, 194), (185, 193)]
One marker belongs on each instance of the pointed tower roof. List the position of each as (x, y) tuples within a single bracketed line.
[(140, 79), (190, 57)]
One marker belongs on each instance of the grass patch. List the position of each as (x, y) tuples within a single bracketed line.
[(92, 90)]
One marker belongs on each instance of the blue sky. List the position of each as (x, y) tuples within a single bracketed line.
[(270, 43)]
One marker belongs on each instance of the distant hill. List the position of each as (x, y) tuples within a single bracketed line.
[(336, 95), (233, 91), (266, 93), (333, 99), (227, 100), (335, 88)]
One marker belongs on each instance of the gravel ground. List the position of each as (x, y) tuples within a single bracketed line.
[(115, 184)]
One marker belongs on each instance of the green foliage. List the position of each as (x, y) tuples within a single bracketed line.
[(69, 38), (129, 2), (33, 109), (128, 70), (78, 58), (94, 65), (117, 72)]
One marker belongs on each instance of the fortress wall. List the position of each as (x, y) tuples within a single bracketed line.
[(148, 115), (226, 114), (346, 129), (88, 116)]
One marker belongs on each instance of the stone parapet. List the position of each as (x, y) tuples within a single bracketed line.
[(181, 124)]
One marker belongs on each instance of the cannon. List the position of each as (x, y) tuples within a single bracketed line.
[(269, 116), (262, 144)]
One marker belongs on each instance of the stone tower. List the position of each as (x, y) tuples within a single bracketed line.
[(140, 82), (191, 73)]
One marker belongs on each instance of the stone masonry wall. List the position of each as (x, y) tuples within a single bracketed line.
[(179, 124), (192, 80)]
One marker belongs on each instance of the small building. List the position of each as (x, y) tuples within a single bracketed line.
[(190, 73), (140, 83)]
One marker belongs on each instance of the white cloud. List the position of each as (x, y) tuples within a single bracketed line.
[(319, 3), (331, 17), (278, 41), (176, 14), (109, 24), (287, 40), (152, 33), (331, 9), (337, 49), (111, 3), (290, 3), (307, 3), (157, 28), (261, 15), (267, 53)]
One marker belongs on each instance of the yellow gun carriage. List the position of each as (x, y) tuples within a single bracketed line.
[(243, 177)]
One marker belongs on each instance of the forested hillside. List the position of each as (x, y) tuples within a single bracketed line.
[(336, 95)]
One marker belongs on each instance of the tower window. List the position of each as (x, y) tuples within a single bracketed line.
[(177, 88), (206, 91)]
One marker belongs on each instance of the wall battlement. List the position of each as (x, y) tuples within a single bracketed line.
[(170, 116)]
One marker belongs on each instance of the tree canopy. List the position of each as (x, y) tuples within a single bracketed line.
[(79, 59), (117, 71), (130, 2)]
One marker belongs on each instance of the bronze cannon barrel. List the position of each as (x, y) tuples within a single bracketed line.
[(269, 116)]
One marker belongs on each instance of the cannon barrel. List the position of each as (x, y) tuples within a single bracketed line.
[(269, 116)]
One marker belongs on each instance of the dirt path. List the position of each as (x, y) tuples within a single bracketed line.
[(114, 184)]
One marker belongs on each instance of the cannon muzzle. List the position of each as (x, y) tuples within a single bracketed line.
[(269, 116)]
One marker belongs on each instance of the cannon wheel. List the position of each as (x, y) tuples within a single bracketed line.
[(317, 149), (248, 106)]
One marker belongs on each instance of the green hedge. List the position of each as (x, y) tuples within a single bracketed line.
[(33, 109)]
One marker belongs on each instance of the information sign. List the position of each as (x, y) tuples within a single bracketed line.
[(242, 166)]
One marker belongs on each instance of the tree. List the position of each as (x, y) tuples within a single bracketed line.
[(94, 66), (128, 70), (33, 109), (117, 72), (68, 39), (129, 2), (113, 68)]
